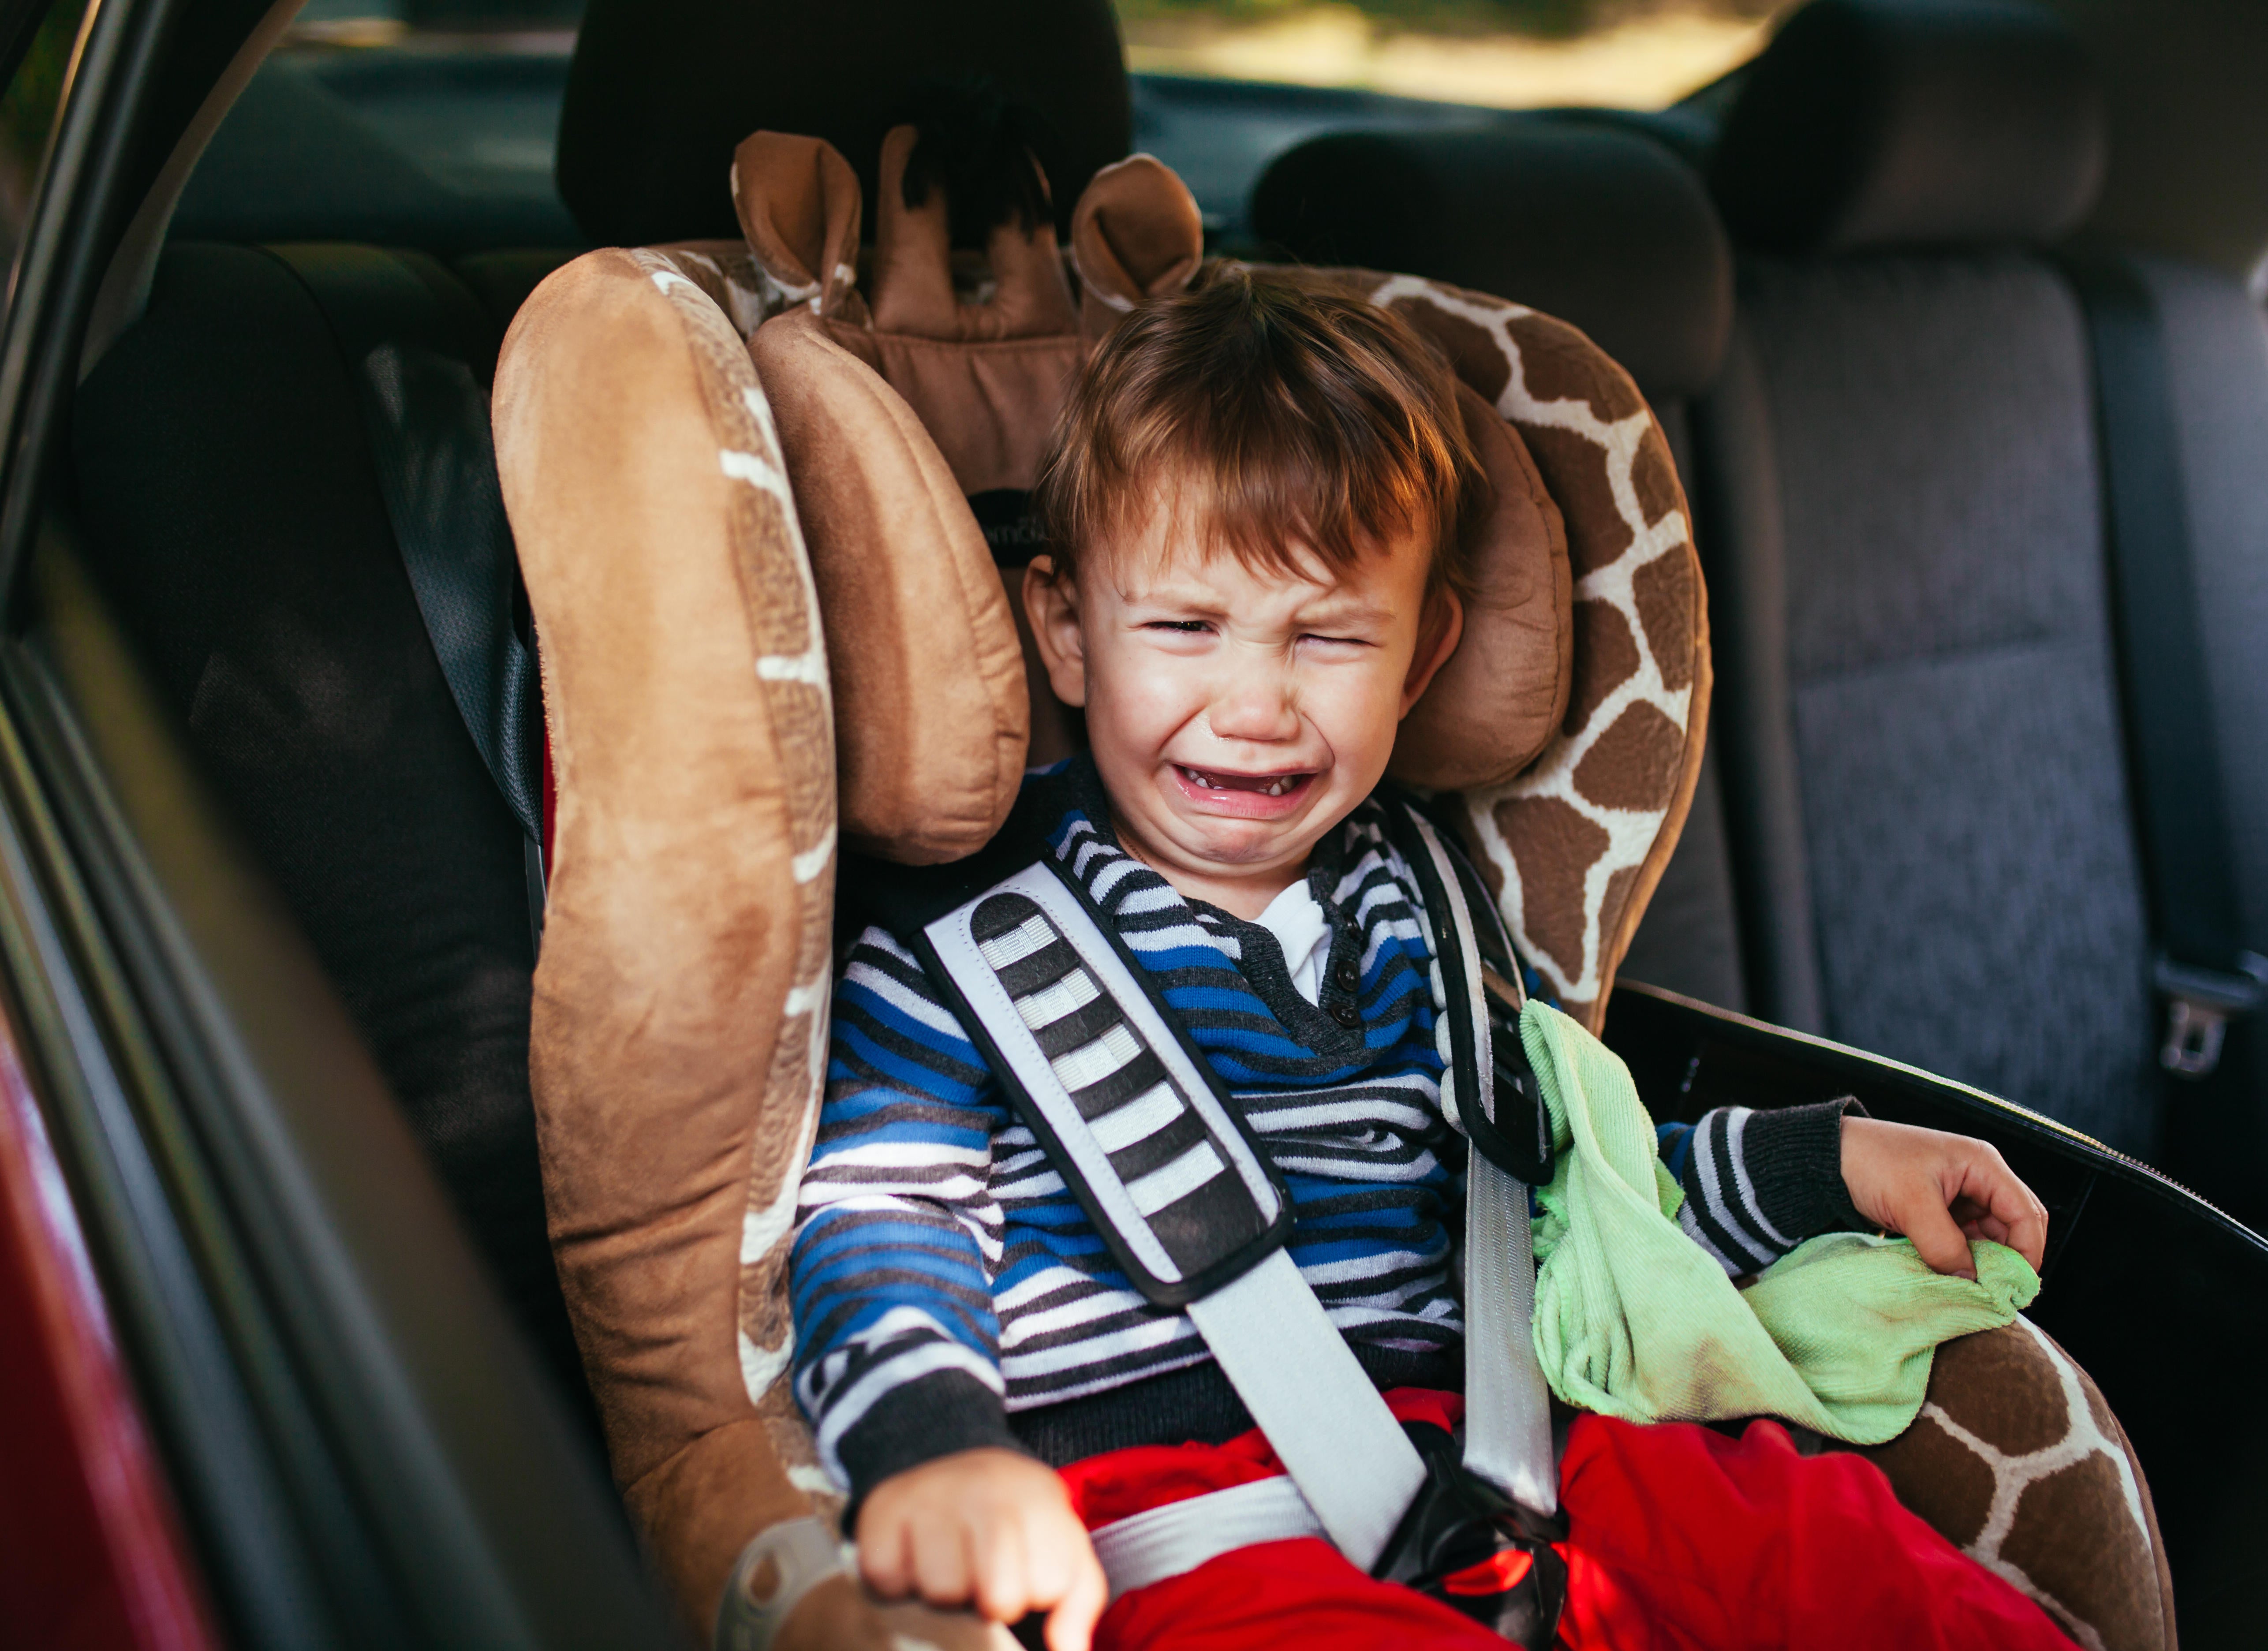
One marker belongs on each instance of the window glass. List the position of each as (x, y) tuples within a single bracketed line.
[(1508, 54), (35, 53), (386, 22)]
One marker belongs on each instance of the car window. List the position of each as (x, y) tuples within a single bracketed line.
[(386, 22), (1508, 54), (36, 46)]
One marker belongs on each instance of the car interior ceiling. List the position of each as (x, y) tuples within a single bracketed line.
[(1916, 833)]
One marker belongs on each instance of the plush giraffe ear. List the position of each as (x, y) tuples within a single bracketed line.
[(799, 205), (1135, 234)]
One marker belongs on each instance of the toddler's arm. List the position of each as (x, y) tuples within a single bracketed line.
[(1757, 1183), (897, 1346), (988, 1528)]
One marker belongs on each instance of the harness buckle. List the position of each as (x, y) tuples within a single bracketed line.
[(2199, 1005), (1467, 1545)]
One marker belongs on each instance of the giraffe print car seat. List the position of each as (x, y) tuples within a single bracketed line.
[(766, 496)]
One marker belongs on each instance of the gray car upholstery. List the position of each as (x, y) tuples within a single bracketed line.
[(1949, 703), (1930, 799)]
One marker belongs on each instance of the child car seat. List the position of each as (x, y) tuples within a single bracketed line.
[(760, 495)]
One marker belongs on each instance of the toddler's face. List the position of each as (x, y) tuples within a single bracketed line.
[(1236, 714)]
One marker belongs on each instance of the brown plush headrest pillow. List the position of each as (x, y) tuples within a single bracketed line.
[(1498, 700)]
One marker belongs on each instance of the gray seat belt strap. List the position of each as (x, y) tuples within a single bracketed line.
[(1302, 1383), (1507, 1403), (1161, 1542), (1134, 1120)]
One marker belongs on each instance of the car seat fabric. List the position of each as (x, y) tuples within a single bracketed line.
[(235, 519), (666, 823), (1920, 687), (1948, 645), (1568, 846), (1603, 229), (2017, 1460)]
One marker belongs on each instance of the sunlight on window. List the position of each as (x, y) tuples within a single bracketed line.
[(1512, 54)]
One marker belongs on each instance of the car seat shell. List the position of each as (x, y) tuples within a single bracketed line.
[(681, 993)]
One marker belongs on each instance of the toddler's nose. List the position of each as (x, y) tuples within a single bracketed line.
[(1255, 700)]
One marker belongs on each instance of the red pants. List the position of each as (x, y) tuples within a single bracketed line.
[(1679, 1539)]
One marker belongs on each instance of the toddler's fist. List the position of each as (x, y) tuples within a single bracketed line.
[(1939, 1191), (987, 1527)]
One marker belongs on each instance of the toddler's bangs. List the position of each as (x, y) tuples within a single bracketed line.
[(1286, 421)]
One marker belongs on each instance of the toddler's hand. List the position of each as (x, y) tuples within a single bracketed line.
[(1939, 1191), (988, 1528)]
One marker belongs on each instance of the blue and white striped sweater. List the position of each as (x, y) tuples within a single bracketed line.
[(943, 1276)]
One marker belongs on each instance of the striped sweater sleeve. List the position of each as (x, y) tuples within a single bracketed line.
[(897, 1233), (1757, 1184)]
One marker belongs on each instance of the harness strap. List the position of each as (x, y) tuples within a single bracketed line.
[(1507, 1403), (1165, 1542), (1134, 1120), (1302, 1383), (1156, 1153)]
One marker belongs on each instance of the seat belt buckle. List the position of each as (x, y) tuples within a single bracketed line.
[(1464, 1543), (2199, 1005)]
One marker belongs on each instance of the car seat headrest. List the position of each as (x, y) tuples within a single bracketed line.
[(1887, 122), (975, 354), (662, 90), (1600, 227)]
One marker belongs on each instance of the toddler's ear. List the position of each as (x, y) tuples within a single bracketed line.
[(1051, 606), (1438, 635)]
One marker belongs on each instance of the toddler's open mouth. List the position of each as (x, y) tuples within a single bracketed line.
[(1219, 784)]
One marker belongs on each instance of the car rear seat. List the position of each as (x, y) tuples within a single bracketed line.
[(235, 514), (1906, 525), (1607, 230)]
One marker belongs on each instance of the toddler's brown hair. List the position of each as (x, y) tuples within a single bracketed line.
[(1298, 413)]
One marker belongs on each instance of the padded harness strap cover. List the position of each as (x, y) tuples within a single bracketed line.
[(1126, 1109)]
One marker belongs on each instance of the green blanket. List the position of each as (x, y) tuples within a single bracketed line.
[(1633, 1319)]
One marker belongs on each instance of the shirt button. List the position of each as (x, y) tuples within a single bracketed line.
[(1347, 1016), (1346, 976)]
